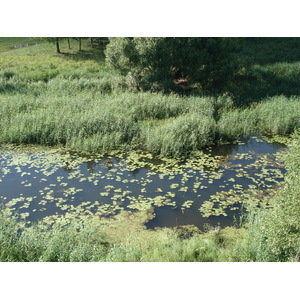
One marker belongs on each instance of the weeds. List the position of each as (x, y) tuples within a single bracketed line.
[(123, 238)]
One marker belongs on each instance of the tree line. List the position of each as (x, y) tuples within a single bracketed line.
[(93, 41)]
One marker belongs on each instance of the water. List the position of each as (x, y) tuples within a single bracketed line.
[(215, 186)]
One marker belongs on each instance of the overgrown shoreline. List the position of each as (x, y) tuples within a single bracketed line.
[(124, 237), (76, 102), (166, 125)]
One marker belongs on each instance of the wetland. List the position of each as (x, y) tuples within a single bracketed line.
[(216, 186), (94, 166)]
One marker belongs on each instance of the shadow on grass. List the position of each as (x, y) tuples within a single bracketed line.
[(270, 50), (258, 85), (82, 55)]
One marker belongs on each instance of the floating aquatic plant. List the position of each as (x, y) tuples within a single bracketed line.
[(58, 180)]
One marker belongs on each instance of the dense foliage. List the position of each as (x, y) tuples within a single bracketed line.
[(161, 63), (77, 101)]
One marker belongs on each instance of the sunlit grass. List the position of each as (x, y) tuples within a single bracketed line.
[(123, 238), (73, 100)]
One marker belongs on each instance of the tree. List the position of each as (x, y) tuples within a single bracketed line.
[(53, 40), (69, 44), (160, 63), (56, 41), (79, 39)]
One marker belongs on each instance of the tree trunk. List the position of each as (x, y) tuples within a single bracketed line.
[(79, 48), (91, 42), (57, 46), (69, 43)]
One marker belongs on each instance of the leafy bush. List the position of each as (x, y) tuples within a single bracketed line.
[(156, 63), (7, 74)]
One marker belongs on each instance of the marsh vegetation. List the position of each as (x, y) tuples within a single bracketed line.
[(92, 159)]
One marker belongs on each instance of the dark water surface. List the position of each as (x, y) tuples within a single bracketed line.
[(213, 187)]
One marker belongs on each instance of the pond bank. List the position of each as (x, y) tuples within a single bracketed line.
[(215, 186)]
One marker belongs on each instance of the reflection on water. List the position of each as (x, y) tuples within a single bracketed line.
[(213, 186)]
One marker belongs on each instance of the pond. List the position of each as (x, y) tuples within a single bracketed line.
[(215, 186)]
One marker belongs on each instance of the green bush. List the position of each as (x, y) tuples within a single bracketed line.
[(156, 63), (7, 74)]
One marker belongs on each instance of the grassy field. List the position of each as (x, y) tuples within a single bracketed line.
[(75, 101), (8, 43)]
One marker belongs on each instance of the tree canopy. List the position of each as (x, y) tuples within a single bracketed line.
[(159, 63)]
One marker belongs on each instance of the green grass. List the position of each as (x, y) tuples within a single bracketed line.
[(74, 100), (269, 67), (8, 43), (274, 234), (94, 119), (178, 136), (279, 115), (123, 238)]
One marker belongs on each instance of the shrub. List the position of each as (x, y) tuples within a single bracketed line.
[(156, 63), (7, 74)]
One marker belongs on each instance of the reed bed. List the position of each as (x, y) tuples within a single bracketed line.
[(92, 118)]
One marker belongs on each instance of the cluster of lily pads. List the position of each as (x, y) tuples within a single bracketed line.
[(52, 184)]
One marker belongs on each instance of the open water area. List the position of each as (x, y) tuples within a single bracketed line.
[(215, 186)]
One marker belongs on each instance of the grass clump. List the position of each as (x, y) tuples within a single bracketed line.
[(75, 242), (236, 123), (178, 136), (56, 120), (279, 115)]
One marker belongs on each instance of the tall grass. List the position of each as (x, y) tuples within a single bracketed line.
[(50, 120), (90, 119), (236, 123), (279, 115), (93, 119), (178, 136), (40, 243), (123, 238), (76, 101), (275, 234)]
